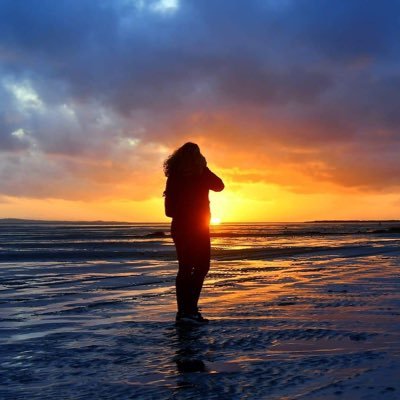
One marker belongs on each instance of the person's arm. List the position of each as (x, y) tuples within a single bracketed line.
[(214, 183), (169, 200)]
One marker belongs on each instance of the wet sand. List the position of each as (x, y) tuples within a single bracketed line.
[(323, 324)]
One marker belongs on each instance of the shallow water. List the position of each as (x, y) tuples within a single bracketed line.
[(298, 311)]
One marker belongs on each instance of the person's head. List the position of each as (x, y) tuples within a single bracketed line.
[(185, 161)]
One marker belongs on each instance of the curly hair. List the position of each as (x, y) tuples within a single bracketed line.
[(185, 161)]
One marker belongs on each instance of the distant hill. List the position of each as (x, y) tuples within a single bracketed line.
[(40, 221), (100, 222), (353, 221)]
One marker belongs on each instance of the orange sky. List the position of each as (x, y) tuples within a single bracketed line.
[(268, 203), (239, 202)]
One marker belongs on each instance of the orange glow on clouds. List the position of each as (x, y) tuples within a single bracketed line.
[(288, 128), (245, 203)]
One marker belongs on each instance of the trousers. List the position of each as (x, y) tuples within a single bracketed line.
[(193, 252)]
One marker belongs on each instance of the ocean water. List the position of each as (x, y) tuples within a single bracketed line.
[(87, 311), (42, 242)]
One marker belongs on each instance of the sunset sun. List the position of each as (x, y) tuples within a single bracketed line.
[(215, 221)]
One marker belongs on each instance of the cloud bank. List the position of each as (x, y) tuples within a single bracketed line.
[(95, 94)]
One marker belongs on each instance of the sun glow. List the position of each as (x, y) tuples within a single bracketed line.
[(215, 221)]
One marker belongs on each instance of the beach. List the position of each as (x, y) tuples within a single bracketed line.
[(298, 311)]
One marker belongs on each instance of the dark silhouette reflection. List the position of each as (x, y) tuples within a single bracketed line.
[(188, 354), (186, 202)]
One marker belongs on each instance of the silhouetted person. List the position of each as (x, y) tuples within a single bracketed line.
[(186, 202)]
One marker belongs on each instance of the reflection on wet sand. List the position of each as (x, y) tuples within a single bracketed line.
[(304, 326)]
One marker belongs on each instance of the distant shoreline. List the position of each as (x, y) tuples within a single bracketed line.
[(352, 221), (101, 222), (42, 221)]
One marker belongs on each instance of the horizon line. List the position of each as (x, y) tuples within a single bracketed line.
[(33, 220)]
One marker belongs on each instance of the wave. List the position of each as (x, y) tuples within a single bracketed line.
[(169, 254), (94, 242)]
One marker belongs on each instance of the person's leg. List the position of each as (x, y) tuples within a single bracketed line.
[(201, 267), (183, 282)]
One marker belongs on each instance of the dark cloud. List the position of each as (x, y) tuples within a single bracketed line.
[(348, 30), (89, 80)]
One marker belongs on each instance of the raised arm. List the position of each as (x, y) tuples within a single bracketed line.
[(214, 183)]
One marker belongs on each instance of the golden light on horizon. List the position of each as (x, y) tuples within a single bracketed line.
[(239, 202), (215, 221)]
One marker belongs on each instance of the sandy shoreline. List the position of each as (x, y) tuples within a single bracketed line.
[(309, 325)]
